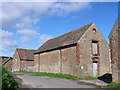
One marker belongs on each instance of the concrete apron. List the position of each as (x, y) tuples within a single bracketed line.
[(21, 82), (98, 83)]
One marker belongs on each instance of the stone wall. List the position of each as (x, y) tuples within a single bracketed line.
[(16, 62), (24, 64), (69, 61), (50, 62), (114, 54), (86, 63), (58, 61), (8, 65), (35, 69)]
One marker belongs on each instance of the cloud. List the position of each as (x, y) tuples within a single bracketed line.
[(24, 17), (21, 15), (66, 8), (8, 43), (44, 38), (5, 34), (27, 35)]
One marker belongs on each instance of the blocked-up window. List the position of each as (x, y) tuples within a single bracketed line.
[(95, 60), (95, 48)]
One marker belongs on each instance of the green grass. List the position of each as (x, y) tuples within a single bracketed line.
[(114, 85), (66, 76), (89, 77)]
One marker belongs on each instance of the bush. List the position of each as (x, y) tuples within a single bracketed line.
[(7, 80)]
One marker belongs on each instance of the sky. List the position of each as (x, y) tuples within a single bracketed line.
[(29, 24)]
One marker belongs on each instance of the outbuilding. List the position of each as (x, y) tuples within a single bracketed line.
[(23, 60), (81, 52), (6, 62)]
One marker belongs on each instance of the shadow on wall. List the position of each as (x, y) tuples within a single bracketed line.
[(107, 78)]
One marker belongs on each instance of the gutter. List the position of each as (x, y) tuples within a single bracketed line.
[(61, 47)]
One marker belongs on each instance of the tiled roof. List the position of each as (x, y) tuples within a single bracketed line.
[(26, 54), (65, 39)]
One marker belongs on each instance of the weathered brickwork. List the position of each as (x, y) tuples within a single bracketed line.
[(86, 53), (69, 60), (113, 38), (50, 62), (8, 65), (25, 64), (36, 63), (6, 62), (16, 62)]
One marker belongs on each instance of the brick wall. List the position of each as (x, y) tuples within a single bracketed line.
[(16, 62), (86, 53), (24, 64), (114, 54), (50, 62), (69, 60), (35, 69), (8, 65)]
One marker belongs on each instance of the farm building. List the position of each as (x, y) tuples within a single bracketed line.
[(81, 52), (115, 51), (23, 60), (6, 62)]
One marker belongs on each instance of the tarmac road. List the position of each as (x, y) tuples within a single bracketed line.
[(37, 81)]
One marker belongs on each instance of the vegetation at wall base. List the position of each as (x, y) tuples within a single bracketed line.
[(89, 77), (114, 85), (66, 76), (7, 80)]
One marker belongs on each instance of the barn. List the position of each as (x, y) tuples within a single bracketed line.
[(81, 52), (23, 60)]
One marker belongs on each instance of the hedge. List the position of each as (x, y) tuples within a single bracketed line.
[(7, 80)]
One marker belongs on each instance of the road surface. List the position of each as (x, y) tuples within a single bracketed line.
[(37, 81)]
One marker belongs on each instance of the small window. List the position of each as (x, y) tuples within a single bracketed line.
[(95, 48), (95, 59), (94, 30)]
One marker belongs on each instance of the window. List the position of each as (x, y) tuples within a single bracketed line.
[(94, 30), (95, 60), (95, 48)]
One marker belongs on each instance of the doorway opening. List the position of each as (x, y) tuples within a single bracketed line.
[(95, 66)]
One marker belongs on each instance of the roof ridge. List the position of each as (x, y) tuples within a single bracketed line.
[(5, 57), (71, 31)]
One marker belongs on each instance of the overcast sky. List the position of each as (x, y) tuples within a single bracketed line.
[(29, 24)]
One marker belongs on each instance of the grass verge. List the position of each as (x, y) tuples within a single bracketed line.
[(90, 77), (66, 76), (114, 85)]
